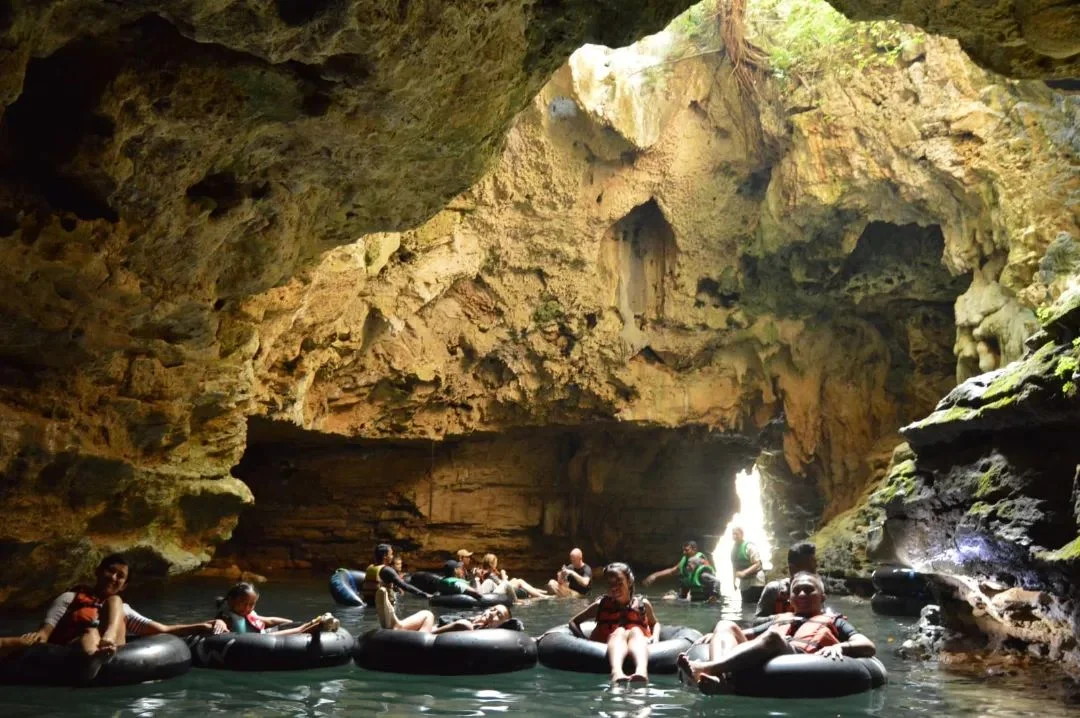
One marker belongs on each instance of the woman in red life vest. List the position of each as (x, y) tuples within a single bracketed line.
[(806, 630), (237, 610), (624, 621)]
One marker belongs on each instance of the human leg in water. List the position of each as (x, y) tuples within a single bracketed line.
[(729, 652), (423, 621), (99, 644), (617, 648), (531, 591), (638, 645)]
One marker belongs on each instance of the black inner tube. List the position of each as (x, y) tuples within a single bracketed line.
[(153, 658), (805, 676), (465, 602), (270, 652), (561, 650)]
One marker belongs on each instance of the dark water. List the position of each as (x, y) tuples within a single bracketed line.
[(914, 689)]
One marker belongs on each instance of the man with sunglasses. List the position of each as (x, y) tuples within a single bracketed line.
[(805, 630)]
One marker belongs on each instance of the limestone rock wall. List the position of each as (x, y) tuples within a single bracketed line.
[(208, 225), (620, 493), (988, 497), (1019, 38), (160, 162)]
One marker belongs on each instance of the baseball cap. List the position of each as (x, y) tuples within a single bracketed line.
[(462, 553), (450, 566)]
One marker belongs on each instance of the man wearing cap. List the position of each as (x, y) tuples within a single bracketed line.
[(464, 557)]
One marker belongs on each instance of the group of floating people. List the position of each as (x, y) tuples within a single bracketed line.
[(92, 622)]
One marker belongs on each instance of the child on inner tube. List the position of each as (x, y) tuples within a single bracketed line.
[(806, 630), (624, 621), (237, 609)]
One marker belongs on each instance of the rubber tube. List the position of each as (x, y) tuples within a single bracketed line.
[(465, 602), (457, 653), (885, 604), (154, 658), (562, 650), (897, 581), (805, 676), (426, 581), (270, 652), (343, 587)]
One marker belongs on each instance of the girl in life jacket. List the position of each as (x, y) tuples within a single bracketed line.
[(237, 609), (806, 630), (624, 621)]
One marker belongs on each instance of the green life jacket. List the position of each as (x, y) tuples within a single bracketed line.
[(740, 556), (685, 576), (452, 585)]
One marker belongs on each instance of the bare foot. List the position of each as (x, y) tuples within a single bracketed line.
[(682, 667), (639, 678), (619, 677)]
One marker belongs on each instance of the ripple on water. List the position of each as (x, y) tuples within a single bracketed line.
[(915, 689)]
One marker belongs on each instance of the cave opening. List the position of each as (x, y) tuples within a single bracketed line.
[(619, 492)]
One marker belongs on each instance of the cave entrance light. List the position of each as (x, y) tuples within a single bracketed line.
[(751, 517)]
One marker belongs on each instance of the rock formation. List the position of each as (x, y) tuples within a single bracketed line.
[(638, 255), (1019, 38), (163, 160), (990, 492), (653, 260)]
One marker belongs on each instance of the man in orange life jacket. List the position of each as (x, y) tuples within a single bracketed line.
[(805, 630), (98, 621), (775, 598)]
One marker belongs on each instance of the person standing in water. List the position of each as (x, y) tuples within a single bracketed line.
[(624, 621), (746, 566), (682, 569)]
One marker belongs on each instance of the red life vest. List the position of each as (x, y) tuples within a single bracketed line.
[(610, 616), (81, 613), (812, 634), (255, 621)]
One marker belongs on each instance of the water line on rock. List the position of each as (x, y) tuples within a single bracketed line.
[(751, 517)]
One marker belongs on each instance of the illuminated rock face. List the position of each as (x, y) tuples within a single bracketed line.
[(647, 263), (171, 226)]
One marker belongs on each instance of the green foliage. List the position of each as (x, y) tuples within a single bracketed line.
[(697, 26), (1066, 367), (806, 37), (549, 310)]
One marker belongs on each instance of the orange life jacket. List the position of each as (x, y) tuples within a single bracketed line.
[(812, 634), (81, 613), (610, 616)]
